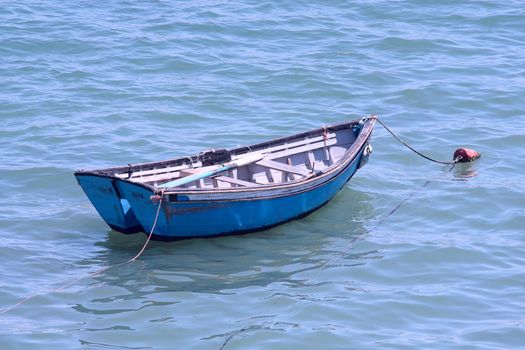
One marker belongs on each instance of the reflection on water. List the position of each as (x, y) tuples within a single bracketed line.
[(211, 283), (223, 266), (464, 171), (92, 344), (91, 93)]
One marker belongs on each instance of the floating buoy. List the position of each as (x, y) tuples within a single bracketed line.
[(465, 155)]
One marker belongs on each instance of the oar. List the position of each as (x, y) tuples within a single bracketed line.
[(252, 158)]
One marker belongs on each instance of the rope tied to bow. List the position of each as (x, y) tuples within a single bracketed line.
[(461, 155)]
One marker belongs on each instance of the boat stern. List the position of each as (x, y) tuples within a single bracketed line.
[(103, 193)]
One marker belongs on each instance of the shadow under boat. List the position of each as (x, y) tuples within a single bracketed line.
[(289, 256)]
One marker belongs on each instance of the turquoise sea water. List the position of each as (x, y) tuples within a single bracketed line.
[(93, 84)]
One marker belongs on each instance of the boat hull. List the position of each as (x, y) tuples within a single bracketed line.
[(208, 218), (103, 193), (129, 206)]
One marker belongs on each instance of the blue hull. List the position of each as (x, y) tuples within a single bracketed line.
[(104, 194), (190, 219), (127, 206)]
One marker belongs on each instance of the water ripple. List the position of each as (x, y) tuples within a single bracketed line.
[(87, 85)]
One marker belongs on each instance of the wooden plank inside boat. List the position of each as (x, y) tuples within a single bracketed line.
[(296, 146), (234, 181), (282, 167)]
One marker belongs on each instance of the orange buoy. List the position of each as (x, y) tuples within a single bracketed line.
[(465, 155)]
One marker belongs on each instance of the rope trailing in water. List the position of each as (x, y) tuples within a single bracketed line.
[(461, 155), (98, 272)]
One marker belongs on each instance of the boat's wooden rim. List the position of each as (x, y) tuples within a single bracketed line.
[(235, 151), (149, 176), (326, 174), (274, 151), (272, 195)]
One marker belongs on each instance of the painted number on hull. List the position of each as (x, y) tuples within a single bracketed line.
[(137, 195), (105, 190)]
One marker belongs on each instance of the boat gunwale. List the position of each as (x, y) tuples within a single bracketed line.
[(168, 238), (272, 196), (234, 151), (334, 170), (327, 173)]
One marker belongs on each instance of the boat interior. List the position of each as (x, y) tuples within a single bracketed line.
[(284, 160)]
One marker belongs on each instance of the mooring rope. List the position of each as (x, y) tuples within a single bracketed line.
[(454, 161), (159, 197), (94, 273), (403, 201), (348, 247)]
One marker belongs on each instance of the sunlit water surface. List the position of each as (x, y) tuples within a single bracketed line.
[(94, 84)]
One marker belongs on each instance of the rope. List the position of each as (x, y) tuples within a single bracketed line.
[(335, 257), (230, 337), (402, 202), (152, 229), (454, 161), (95, 273), (349, 245)]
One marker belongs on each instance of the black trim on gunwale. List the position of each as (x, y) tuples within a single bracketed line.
[(235, 151), (356, 146), (341, 170)]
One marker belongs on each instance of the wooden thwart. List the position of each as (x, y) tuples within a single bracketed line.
[(302, 149), (282, 167), (289, 172), (235, 181), (292, 147), (213, 170)]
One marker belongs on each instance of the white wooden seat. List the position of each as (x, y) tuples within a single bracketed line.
[(235, 181), (283, 162), (283, 167)]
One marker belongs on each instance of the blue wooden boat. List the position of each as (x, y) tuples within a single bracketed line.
[(222, 192)]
